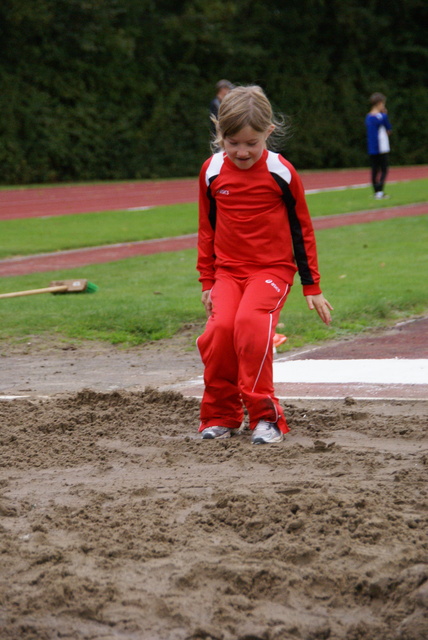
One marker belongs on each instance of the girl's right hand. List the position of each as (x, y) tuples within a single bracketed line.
[(206, 301)]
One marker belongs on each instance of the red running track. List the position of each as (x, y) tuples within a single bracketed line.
[(63, 200)]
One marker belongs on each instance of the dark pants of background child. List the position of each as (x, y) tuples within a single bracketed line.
[(379, 162)]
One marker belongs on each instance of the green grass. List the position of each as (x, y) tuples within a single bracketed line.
[(361, 199), (373, 274), (139, 299), (40, 235)]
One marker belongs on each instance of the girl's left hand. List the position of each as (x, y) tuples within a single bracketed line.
[(322, 307)]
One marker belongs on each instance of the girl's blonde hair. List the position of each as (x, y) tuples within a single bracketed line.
[(246, 106)]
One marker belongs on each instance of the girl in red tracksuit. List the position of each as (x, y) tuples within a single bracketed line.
[(254, 228)]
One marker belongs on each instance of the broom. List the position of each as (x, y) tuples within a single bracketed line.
[(57, 286)]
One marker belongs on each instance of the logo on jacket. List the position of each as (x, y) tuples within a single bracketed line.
[(272, 284), (225, 192)]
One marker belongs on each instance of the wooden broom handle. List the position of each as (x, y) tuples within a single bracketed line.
[(30, 292)]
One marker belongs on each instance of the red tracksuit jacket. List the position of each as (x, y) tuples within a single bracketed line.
[(255, 218)]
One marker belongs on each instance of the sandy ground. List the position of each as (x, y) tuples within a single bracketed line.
[(118, 522)]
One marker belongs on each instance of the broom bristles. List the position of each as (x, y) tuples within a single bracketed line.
[(91, 287)]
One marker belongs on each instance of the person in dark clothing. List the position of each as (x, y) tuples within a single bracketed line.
[(222, 88), (378, 132)]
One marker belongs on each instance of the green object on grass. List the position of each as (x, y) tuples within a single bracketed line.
[(56, 287), (91, 287)]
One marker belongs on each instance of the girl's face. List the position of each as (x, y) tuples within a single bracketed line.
[(246, 146)]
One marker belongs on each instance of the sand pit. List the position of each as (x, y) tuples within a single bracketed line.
[(117, 521)]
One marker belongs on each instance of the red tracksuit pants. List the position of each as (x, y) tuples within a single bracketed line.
[(237, 350)]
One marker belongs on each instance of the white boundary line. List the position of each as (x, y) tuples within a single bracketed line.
[(342, 188), (349, 186), (354, 397), (341, 398), (356, 371), (11, 398)]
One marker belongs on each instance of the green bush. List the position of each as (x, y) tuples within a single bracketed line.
[(119, 89)]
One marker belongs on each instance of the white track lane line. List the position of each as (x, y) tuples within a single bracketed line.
[(380, 371)]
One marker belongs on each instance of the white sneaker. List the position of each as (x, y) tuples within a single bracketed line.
[(211, 433), (266, 433), (380, 195)]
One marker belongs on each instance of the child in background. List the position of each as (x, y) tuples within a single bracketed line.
[(254, 227), (378, 131)]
